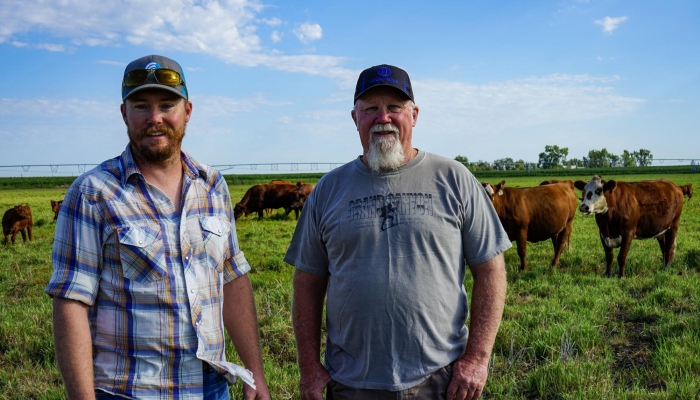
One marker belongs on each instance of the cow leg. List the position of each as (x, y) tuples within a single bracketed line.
[(24, 235), (622, 255), (608, 258), (260, 215), (13, 237), (29, 232), (662, 245), (670, 250), (521, 242), (7, 239), (296, 214), (559, 241)]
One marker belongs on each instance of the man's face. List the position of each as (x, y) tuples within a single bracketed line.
[(378, 114), (155, 121)]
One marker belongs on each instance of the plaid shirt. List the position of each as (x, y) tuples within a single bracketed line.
[(152, 277)]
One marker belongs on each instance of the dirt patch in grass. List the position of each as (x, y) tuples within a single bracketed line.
[(632, 349)]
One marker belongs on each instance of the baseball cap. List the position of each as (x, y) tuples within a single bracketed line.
[(152, 63), (384, 75)]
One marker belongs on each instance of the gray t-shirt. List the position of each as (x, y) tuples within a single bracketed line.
[(394, 247)]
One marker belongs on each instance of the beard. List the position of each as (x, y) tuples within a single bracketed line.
[(385, 151), (156, 155)]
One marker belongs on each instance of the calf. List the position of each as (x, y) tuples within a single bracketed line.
[(687, 190), (270, 195), (17, 219), (632, 210), (55, 206), (535, 214)]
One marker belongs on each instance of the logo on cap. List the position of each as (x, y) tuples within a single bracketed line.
[(383, 71), (152, 65)]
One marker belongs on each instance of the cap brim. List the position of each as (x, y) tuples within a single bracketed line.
[(173, 89), (376, 86)]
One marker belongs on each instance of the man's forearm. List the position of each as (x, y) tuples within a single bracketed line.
[(307, 312), (73, 344), (241, 322), (487, 302)]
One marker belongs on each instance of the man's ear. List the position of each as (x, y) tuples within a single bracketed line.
[(354, 118), (415, 115), (188, 111), (123, 110)]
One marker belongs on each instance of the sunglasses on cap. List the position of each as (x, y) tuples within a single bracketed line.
[(164, 76)]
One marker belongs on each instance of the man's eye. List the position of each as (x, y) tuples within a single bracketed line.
[(394, 108), (370, 109)]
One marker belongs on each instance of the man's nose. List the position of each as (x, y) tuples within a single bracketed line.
[(383, 116), (155, 116)]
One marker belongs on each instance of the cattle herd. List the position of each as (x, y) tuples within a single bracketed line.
[(623, 211)]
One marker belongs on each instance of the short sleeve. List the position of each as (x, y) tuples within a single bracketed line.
[(77, 249), (307, 251)]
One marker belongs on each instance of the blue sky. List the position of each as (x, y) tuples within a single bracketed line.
[(272, 82)]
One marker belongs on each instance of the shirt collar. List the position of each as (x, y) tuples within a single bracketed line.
[(191, 167)]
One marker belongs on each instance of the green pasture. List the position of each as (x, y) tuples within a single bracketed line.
[(567, 333)]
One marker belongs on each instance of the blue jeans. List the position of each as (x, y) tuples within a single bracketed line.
[(215, 388)]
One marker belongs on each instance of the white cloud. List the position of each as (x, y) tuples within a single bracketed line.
[(307, 32), (225, 29), (109, 62), (51, 47), (276, 36), (610, 24)]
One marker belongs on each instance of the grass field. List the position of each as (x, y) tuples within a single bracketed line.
[(567, 333)]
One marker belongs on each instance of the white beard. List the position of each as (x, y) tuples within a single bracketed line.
[(385, 152)]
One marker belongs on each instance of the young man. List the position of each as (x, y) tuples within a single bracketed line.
[(386, 240), (147, 267)]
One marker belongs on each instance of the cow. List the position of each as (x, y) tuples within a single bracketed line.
[(55, 206), (535, 214), (305, 189), (567, 182), (268, 211), (17, 219), (632, 210), (687, 190), (270, 195)]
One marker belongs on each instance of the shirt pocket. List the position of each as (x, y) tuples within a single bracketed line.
[(215, 235), (141, 253)]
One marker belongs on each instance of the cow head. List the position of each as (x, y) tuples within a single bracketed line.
[(296, 198), (593, 195), (494, 191), (23, 211), (239, 210)]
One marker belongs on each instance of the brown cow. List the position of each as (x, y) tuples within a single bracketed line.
[(268, 211), (17, 219), (632, 210), (270, 195), (55, 206), (687, 190), (305, 189), (535, 214), (567, 182)]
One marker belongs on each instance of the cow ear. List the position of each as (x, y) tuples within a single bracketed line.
[(609, 185), (580, 185)]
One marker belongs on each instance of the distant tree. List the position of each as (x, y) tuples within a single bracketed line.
[(483, 166), (574, 163), (614, 160), (598, 158), (643, 157), (628, 159), (520, 165), (462, 159), (504, 164), (553, 156)]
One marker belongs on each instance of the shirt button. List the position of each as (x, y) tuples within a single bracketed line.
[(192, 291), (140, 241), (187, 257), (198, 323), (219, 230)]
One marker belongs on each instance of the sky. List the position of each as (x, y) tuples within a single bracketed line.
[(273, 81)]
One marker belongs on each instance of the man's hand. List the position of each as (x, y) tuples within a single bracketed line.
[(313, 382), (251, 394), (468, 380)]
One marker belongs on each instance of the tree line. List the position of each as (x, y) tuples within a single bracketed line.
[(556, 157)]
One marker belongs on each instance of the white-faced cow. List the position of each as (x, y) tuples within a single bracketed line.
[(632, 210), (535, 214)]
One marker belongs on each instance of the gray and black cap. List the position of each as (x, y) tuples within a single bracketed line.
[(154, 62), (384, 75)]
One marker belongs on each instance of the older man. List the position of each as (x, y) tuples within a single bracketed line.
[(386, 240), (147, 267)]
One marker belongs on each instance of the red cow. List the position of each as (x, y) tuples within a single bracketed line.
[(55, 206), (17, 219), (268, 211), (632, 210), (687, 190), (535, 214), (270, 195), (567, 182), (305, 189)]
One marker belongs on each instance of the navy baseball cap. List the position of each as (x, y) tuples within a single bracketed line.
[(153, 72), (384, 75)]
